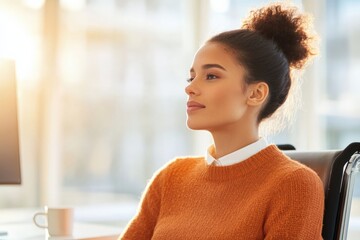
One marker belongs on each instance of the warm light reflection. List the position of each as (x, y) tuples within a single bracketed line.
[(73, 5), (35, 4), (18, 43)]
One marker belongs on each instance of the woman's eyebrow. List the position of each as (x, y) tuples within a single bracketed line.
[(208, 66), (213, 65)]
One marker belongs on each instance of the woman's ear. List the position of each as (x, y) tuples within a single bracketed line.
[(258, 93)]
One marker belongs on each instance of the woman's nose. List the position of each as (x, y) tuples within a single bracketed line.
[(192, 89)]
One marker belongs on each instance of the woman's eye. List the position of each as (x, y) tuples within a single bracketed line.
[(211, 77), (189, 80)]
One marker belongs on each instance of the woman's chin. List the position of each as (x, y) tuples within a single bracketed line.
[(195, 126)]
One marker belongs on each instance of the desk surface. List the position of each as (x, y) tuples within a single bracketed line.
[(18, 225), (28, 231)]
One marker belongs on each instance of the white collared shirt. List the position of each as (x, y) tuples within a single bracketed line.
[(238, 155)]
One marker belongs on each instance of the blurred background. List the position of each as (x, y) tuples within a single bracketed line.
[(102, 102)]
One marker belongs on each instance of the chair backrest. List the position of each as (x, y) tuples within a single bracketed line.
[(330, 166)]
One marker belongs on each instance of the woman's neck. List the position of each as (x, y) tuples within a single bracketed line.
[(230, 140)]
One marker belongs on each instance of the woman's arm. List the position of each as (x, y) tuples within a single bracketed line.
[(296, 211), (143, 224)]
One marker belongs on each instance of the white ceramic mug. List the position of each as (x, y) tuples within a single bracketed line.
[(59, 221)]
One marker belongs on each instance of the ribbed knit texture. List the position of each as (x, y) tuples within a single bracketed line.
[(267, 196)]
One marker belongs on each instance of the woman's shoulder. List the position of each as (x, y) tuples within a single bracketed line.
[(185, 162), (290, 169), (175, 167), (297, 174), (181, 164)]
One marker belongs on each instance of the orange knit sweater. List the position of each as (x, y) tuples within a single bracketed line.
[(267, 196)]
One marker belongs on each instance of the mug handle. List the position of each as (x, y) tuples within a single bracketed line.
[(35, 217)]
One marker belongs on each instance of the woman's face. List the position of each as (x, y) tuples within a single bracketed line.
[(217, 93)]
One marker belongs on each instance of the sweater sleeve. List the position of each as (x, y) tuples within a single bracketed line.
[(296, 211), (143, 224)]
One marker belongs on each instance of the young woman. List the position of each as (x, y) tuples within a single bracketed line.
[(244, 188)]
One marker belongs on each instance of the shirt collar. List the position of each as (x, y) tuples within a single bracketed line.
[(238, 155)]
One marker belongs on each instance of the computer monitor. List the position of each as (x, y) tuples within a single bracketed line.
[(9, 133)]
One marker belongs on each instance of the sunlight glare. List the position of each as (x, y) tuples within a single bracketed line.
[(34, 4), (18, 44), (73, 5)]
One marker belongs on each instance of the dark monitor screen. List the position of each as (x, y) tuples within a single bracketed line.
[(9, 134)]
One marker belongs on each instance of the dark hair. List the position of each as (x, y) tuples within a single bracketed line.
[(272, 40)]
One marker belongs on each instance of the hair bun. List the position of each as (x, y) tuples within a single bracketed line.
[(290, 31)]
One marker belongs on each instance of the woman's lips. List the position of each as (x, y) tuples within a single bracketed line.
[(194, 106)]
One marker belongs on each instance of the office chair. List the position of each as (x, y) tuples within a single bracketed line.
[(286, 147), (337, 170)]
